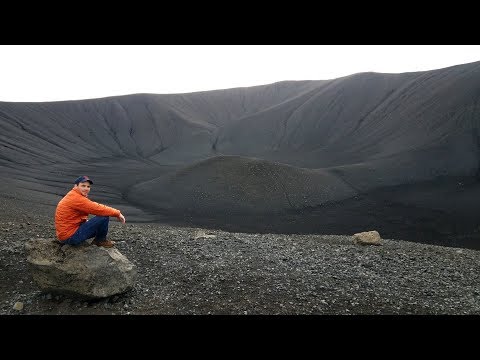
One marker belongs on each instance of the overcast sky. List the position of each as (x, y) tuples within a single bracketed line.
[(73, 72)]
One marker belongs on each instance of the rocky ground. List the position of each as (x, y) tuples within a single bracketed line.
[(245, 274)]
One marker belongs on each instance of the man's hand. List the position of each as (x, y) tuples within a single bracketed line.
[(121, 218)]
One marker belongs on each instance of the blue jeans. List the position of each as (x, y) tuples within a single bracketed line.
[(95, 227)]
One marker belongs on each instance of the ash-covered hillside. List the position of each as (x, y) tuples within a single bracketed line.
[(399, 153)]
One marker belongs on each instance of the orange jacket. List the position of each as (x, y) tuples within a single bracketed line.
[(73, 210)]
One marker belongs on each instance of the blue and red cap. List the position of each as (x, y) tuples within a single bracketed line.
[(82, 179)]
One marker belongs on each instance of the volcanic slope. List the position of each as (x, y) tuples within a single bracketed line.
[(240, 185), (399, 152)]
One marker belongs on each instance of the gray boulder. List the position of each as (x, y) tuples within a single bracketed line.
[(85, 271)]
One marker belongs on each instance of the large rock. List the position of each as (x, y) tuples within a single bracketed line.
[(84, 271)]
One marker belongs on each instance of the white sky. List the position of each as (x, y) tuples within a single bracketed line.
[(73, 72)]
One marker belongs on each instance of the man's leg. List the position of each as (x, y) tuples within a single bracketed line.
[(95, 227), (102, 228)]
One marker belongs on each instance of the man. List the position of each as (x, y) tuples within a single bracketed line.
[(71, 224)]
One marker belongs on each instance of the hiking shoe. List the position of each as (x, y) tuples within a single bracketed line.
[(104, 243)]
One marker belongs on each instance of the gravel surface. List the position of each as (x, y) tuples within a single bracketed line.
[(245, 274)]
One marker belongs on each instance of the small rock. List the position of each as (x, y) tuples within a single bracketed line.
[(18, 306), (367, 238), (199, 234)]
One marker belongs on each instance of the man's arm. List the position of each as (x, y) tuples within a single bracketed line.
[(95, 208), (121, 218)]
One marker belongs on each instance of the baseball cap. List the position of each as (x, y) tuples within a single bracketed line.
[(83, 178)]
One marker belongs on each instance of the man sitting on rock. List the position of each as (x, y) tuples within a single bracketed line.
[(71, 224)]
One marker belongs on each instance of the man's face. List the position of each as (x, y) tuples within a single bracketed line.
[(84, 187)]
